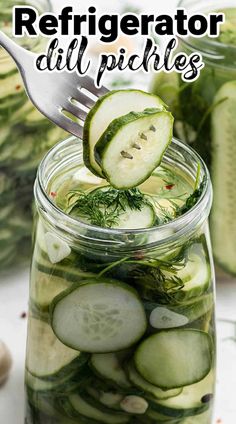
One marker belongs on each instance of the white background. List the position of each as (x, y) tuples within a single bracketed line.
[(14, 295), (111, 5)]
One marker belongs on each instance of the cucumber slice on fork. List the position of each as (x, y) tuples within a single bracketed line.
[(133, 146), (109, 107)]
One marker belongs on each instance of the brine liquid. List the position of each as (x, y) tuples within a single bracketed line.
[(175, 287)]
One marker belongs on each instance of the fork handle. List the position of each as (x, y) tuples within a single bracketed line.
[(18, 53)]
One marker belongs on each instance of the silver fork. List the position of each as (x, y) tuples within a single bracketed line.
[(55, 93)]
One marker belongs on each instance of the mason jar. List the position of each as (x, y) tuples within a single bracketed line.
[(25, 136), (121, 323), (205, 118)]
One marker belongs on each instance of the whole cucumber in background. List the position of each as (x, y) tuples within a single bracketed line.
[(204, 114), (25, 136), (5, 362)]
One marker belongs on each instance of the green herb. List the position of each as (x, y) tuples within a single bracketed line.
[(191, 200), (158, 279), (103, 207)]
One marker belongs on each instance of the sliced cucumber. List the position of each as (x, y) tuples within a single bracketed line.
[(4, 134), (35, 118), (195, 308), (5, 212), (203, 418), (156, 417), (65, 271), (45, 288), (190, 400), (149, 388), (223, 158), (108, 366), (133, 146), (48, 410), (125, 216), (99, 317), (132, 219), (82, 407), (43, 403), (175, 358), (47, 356), (41, 385), (110, 107), (195, 275), (14, 86), (109, 398), (187, 311), (72, 380), (8, 67)]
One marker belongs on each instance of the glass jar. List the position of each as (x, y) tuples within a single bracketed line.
[(205, 118), (25, 136), (131, 303)]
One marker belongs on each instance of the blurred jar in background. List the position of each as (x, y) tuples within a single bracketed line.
[(205, 113), (25, 136)]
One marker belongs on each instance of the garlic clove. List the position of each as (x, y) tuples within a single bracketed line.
[(134, 404)]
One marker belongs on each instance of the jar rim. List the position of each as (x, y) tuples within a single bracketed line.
[(76, 228), (209, 47)]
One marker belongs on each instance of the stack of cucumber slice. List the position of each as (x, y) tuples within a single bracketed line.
[(25, 136), (125, 137), (105, 351)]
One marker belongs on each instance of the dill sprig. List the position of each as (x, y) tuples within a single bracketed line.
[(192, 199), (159, 279), (103, 206)]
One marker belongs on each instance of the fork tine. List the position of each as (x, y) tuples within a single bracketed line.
[(88, 83), (83, 99), (74, 110)]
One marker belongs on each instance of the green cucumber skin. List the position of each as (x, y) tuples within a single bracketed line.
[(70, 412), (92, 112), (94, 402), (61, 272), (148, 393), (178, 413), (193, 309), (55, 413), (73, 413), (211, 351), (113, 129), (222, 219), (65, 293), (71, 382), (74, 366), (159, 418), (86, 149)]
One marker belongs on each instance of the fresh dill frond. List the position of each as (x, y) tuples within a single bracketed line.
[(192, 199), (103, 206)]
